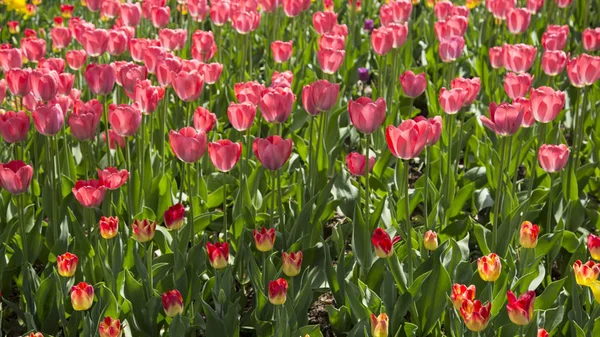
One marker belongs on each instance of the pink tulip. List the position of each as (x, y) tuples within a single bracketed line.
[(582, 70), (340, 30), (248, 92), (555, 37), (211, 72), (452, 100), (320, 96), (95, 41), (204, 120), (241, 115), (17, 81), (330, 60), (382, 40), (470, 85), (451, 48), (500, 8), (31, 103), (125, 119), (324, 21), (44, 84), (10, 58), (93, 5), (164, 68), (159, 16), (152, 56), (110, 9), (505, 119), (116, 42), (85, 119), (53, 63), (366, 115), (100, 78), (269, 6), (356, 163), (114, 139), (496, 57), (282, 79), (14, 126), (148, 96), (48, 119), (272, 152), (224, 154), (563, 3), (413, 85), (15, 176), (187, 85), (407, 140), (188, 144), (395, 12), (112, 178), (282, 51), (399, 34), (546, 103), (131, 14), (2, 90), (517, 20), (518, 58), (517, 85), (198, 9), (276, 104), (435, 129), (172, 39), (245, 21), (534, 6), (591, 39), (90, 193), (524, 104), (553, 158), (336, 42), (128, 76), (220, 12), (61, 37), (137, 47), (33, 48), (442, 9), (76, 58), (554, 62), (65, 84), (292, 8)]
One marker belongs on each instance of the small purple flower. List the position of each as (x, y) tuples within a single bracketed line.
[(368, 25), (363, 75)]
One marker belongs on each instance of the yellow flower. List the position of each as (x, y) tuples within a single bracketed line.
[(19, 6), (595, 287)]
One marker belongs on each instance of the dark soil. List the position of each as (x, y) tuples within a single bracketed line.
[(317, 314)]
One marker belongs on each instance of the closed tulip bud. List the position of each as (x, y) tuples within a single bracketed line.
[(44, 84), (542, 333), (582, 70), (276, 104), (517, 20), (451, 48), (382, 243), (264, 239), (172, 302), (66, 264), (17, 81), (187, 85), (520, 311), (408, 140), (95, 41), (528, 235), (82, 296), (129, 75), (379, 325), (211, 72), (218, 254), (244, 21), (555, 37), (518, 58), (61, 37), (461, 293), (382, 40), (174, 217), (159, 16), (282, 51), (14, 126), (496, 57), (273, 151), (292, 263), (89, 193), (413, 85), (76, 58), (241, 115), (100, 78), (188, 144), (48, 119), (324, 21), (489, 267), (546, 103), (475, 315), (593, 244), (553, 158), (472, 86), (125, 119), (224, 154), (278, 291), (505, 119), (10, 58), (109, 327), (430, 240), (366, 115), (152, 56), (131, 14), (586, 274), (517, 85), (85, 119), (356, 163), (320, 96), (452, 100), (33, 48), (108, 227), (554, 62), (330, 60)]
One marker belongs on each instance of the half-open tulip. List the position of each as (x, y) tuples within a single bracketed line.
[(248, 92), (100, 78), (95, 41), (110, 327), (108, 227), (520, 311), (291, 263), (518, 58), (82, 296), (76, 58), (148, 96), (591, 39), (281, 51), (593, 244), (430, 240), (276, 104), (379, 325), (382, 243), (553, 158), (11, 58), (475, 315), (125, 119), (324, 21), (496, 57), (204, 120), (66, 264), (435, 129), (48, 119), (356, 163), (113, 178), (528, 235), (172, 303), (583, 70), (264, 239), (452, 100), (33, 48), (278, 291), (382, 40), (224, 154), (273, 151), (586, 274), (61, 37), (367, 115), (174, 217), (17, 81), (241, 115), (143, 230), (330, 60), (320, 96), (554, 62), (546, 103), (218, 254), (451, 48), (85, 119), (131, 14), (505, 119), (555, 37), (187, 85), (407, 140), (188, 144), (461, 293), (413, 85), (44, 84), (517, 85), (489, 267), (89, 193), (14, 126), (517, 20), (15, 176), (160, 15), (471, 86)]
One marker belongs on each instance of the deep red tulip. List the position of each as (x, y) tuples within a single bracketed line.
[(66, 264), (10, 58), (188, 144), (272, 152), (518, 58), (582, 70), (496, 57), (554, 62), (382, 40), (517, 20), (517, 85), (278, 291), (172, 302), (204, 120), (218, 254), (553, 158), (108, 227), (542, 333), (159, 16), (131, 14), (33, 48), (14, 126), (245, 21), (113, 178), (172, 39), (520, 311), (174, 217), (17, 81), (366, 115), (276, 104), (451, 48), (505, 119), (48, 119), (89, 193), (435, 128), (85, 119), (76, 58), (471, 87), (125, 119), (15, 176), (546, 103), (241, 115), (320, 96), (61, 37), (148, 96), (248, 92), (453, 100), (281, 51), (382, 243), (44, 84), (100, 78), (187, 85), (324, 21), (555, 37), (413, 85), (408, 140), (356, 163)]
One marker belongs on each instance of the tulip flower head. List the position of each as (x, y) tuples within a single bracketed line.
[(435, 129), (382, 243), (224, 154), (461, 293), (520, 311), (356, 163), (67, 264), (82, 296), (14, 126), (272, 152), (553, 158), (475, 315), (320, 96), (489, 267), (143, 230), (505, 119), (379, 325), (109, 327), (408, 140), (528, 235), (264, 239), (108, 227), (586, 273), (430, 240), (89, 193), (291, 263), (593, 244), (113, 178), (367, 115), (218, 254), (188, 144), (172, 303), (542, 333), (546, 103), (278, 291), (413, 85), (15, 176), (174, 217)]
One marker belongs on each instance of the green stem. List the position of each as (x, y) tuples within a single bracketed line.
[(499, 186), (130, 185), (163, 122), (272, 199), (24, 260), (426, 196), (549, 216), (310, 153), (149, 268), (280, 203), (541, 139), (451, 120), (191, 203), (367, 191), (105, 115), (142, 154), (225, 226), (408, 226)]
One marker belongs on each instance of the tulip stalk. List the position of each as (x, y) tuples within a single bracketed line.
[(310, 155), (225, 225), (499, 187), (426, 196), (130, 185), (105, 117), (450, 124), (541, 139), (149, 269), (163, 122), (191, 203), (24, 260), (367, 191), (408, 226)]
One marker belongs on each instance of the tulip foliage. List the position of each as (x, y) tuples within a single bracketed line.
[(301, 168)]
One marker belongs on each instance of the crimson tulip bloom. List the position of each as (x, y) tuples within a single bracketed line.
[(100, 78), (15, 176), (593, 244), (89, 193), (407, 140), (282, 51), (330, 60), (218, 254), (85, 119), (17, 81), (172, 302), (131, 14), (520, 311), (14, 126), (461, 293), (33, 48), (528, 234), (248, 92), (108, 227), (278, 291), (453, 100), (517, 20), (475, 315), (554, 62), (224, 154), (148, 96), (241, 115), (505, 119), (113, 178), (517, 85), (470, 85), (125, 119), (324, 21), (48, 119), (356, 163), (10, 58), (276, 104), (546, 103), (66, 264), (272, 152), (110, 327), (174, 217), (542, 333), (583, 70), (188, 144), (451, 48), (187, 85), (366, 115), (143, 231), (413, 85), (382, 243), (76, 58), (320, 96), (382, 40), (518, 58), (553, 158)]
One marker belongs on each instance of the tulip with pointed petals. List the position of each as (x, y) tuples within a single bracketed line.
[(66, 264), (379, 325), (291, 263), (278, 291), (113, 178), (475, 315), (204, 120), (264, 239), (110, 327), (143, 230), (218, 254), (382, 243), (108, 227), (172, 302), (461, 293), (407, 140), (528, 235), (520, 311), (489, 267)]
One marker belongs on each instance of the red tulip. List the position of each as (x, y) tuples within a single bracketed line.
[(264, 239), (100, 78), (356, 163), (518, 58), (553, 158), (408, 140), (454, 99), (278, 291), (125, 119), (248, 92), (517, 20), (546, 103), (11, 58), (435, 128), (413, 85), (382, 40), (82, 296), (245, 21), (451, 48), (282, 51), (496, 57), (159, 16), (505, 119), (591, 39), (475, 315), (187, 85), (61, 37), (336, 42), (218, 254), (224, 154), (276, 104), (525, 105), (172, 302), (95, 41), (528, 235), (517, 85), (461, 293), (110, 327), (108, 227), (66, 264), (382, 243), (76, 58), (220, 12), (471, 86), (554, 62), (172, 39), (582, 70), (520, 311), (131, 14), (48, 119), (33, 48), (188, 144), (148, 96), (291, 263), (15, 176), (399, 34), (17, 81), (320, 96), (330, 60), (542, 333), (593, 244), (14, 126), (44, 84), (324, 21), (211, 72), (89, 193), (85, 119), (272, 152), (366, 115), (113, 178), (174, 217), (555, 37)]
